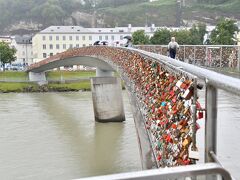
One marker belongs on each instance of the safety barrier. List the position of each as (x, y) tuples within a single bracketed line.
[(215, 56), (165, 92)]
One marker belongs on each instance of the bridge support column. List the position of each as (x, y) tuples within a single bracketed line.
[(103, 73), (37, 77), (107, 99)]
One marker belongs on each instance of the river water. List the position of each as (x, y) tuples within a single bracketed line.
[(54, 136)]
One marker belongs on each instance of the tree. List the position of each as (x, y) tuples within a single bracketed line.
[(182, 36), (139, 37), (161, 36), (224, 32), (7, 54), (197, 34)]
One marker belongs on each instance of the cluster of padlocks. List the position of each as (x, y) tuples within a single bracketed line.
[(167, 98), (214, 56)]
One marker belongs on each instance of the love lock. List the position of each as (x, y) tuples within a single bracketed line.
[(193, 153)]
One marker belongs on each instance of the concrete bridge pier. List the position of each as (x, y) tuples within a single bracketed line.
[(107, 99), (40, 78), (103, 73)]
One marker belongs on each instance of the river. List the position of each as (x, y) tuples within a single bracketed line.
[(54, 136)]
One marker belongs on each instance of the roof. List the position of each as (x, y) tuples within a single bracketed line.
[(26, 39), (123, 30)]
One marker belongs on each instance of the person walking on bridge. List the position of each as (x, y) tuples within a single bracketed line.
[(172, 48)]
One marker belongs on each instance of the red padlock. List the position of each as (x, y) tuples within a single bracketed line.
[(200, 114)]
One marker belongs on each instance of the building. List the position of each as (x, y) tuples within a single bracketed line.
[(6, 39), (56, 39), (23, 45)]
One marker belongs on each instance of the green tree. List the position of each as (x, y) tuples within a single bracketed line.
[(197, 33), (139, 37), (224, 32), (7, 54), (182, 36), (161, 36)]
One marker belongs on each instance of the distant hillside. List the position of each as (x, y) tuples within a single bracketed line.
[(29, 16)]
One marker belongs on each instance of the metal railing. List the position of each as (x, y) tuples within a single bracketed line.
[(213, 82), (192, 171), (213, 56)]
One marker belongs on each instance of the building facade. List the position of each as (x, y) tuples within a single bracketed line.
[(23, 45), (56, 39)]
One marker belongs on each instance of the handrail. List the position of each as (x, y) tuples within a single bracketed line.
[(170, 173), (188, 45), (216, 79)]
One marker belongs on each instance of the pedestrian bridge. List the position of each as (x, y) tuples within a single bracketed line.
[(163, 94)]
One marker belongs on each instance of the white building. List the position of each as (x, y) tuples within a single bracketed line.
[(56, 39), (23, 45), (6, 39)]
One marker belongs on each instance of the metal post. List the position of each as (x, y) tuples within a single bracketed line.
[(194, 56), (238, 65), (211, 122), (221, 57), (194, 114), (184, 53), (206, 56)]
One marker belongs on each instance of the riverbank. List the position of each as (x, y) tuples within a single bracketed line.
[(59, 81), (7, 87)]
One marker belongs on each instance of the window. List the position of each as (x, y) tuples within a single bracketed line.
[(57, 38), (100, 38), (83, 38), (44, 46), (44, 38), (90, 38), (57, 46), (84, 45), (50, 46), (77, 38), (70, 38), (23, 53), (51, 54), (70, 46), (77, 45), (121, 37), (64, 38), (112, 37), (64, 46), (106, 38), (50, 38), (44, 55)]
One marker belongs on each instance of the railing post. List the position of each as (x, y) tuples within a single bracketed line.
[(211, 122), (238, 65), (194, 56), (184, 53), (221, 54)]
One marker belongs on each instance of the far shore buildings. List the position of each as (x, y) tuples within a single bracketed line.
[(23, 45), (56, 39)]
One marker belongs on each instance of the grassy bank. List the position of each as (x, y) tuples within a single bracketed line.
[(51, 75), (6, 87), (56, 75)]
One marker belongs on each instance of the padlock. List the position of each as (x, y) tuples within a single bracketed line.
[(193, 154), (188, 93), (200, 114)]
